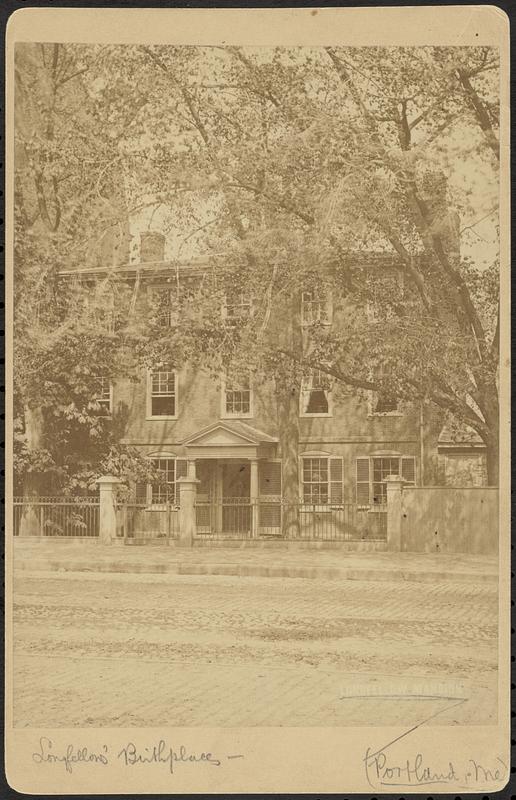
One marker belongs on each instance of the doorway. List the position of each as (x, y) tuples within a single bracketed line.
[(223, 496)]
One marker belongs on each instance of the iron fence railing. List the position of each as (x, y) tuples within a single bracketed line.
[(243, 518), (56, 516), (226, 518)]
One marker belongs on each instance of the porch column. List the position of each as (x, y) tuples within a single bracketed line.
[(190, 468), (218, 496), (187, 512), (394, 501), (107, 510), (254, 490)]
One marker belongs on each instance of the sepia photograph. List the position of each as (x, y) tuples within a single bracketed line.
[(256, 394)]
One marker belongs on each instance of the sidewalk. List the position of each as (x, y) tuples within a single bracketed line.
[(335, 564)]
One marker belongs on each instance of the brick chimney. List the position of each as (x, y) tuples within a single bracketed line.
[(152, 246)]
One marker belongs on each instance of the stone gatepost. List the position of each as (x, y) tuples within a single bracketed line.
[(394, 500), (187, 514), (107, 513)]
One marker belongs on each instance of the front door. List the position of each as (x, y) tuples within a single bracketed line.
[(206, 511), (236, 493)]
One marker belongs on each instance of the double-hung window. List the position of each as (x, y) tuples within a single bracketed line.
[(104, 309), (371, 472), (321, 478), (316, 306), (238, 307), (237, 398), (162, 393), (104, 396), (384, 400), (164, 302), (316, 395), (165, 489)]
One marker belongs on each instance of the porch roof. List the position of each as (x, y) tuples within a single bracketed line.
[(235, 432), (230, 439)]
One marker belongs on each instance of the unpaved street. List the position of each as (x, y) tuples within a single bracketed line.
[(148, 650)]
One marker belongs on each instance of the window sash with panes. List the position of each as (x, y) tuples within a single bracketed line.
[(322, 480), (385, 400), (315, 394), (315, 307), (164, 305), (163, 393), (103, 395), (238, 306), (104, 310), (238, 399), (167, 489), (372, 472)]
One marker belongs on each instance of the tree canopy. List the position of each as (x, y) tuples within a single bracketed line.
[(368, 171)]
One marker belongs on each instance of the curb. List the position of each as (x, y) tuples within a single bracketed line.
[(250, 571)]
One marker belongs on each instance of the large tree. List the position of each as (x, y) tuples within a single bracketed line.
[(307, 158), (69, 213)]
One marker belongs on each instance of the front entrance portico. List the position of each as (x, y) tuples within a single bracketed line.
[(225, 459)]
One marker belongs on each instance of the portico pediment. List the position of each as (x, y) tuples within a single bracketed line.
[(228, 439), (218, 435)]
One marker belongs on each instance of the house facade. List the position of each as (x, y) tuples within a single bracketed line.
[(225, 433)]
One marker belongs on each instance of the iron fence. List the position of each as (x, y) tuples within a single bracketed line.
[(242, 518), (56, 516), (226, 518), (229, 518), (139, 522)]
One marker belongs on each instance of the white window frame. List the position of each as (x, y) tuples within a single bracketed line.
[(373, 400), (150, 416), (304, 396), (169, 322), (102, 403), (328, 457), (245, 301), (379, 455), (223, 401), (372, 316), (320, 299), (164, 456), (104, 310)]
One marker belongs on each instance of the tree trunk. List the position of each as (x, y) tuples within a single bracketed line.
[(431, 425), (32, 481), (287, 399)]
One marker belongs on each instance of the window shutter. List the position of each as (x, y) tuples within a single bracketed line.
[(336, 493), (181, 468), (363, 481), (408, 469), (270, 478), (140, 492)]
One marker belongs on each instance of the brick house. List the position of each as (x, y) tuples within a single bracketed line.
[(228, 433)]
